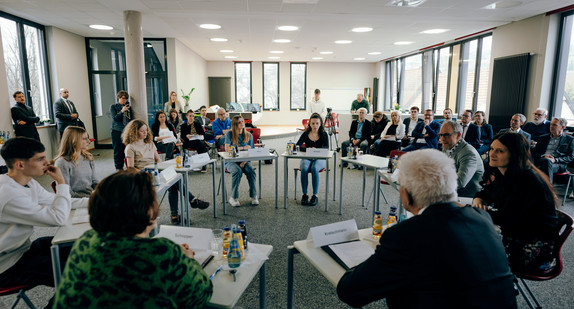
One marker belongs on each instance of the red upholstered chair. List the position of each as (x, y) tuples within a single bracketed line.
[(256, 132), (53, 185), (21, 295), (565, 226), (305, 123)]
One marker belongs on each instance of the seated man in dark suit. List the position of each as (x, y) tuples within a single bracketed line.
[(359, 134), (470, 131), (447, 114), (410, 124), (445, 256), (425, 133), (555, 150), (516, 122), (539, 126), (205, 123), (377, 126)]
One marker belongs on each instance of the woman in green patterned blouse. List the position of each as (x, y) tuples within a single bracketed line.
[(116, 265)]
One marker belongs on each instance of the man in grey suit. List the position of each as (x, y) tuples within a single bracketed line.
[(516, 122), (469, 167), (554, 151), (65, 111)]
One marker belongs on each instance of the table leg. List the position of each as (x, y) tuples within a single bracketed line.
[(213, 175), (285, 181), (376, 191), (56, 270), (262, 292), (183, 196), (260, 179), (291, 251), (223, 189), (341, 190), (364, 184), (186, 205), (335, 177), (327, 187), (276, 182)]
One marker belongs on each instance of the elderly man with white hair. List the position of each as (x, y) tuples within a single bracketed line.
[(539, 126), (359, 134), (554, 151), (445, 256)]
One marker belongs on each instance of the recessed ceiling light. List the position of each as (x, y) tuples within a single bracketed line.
[(226, 51), (435, 31), (101, 27), (362, 29), (276, 52), (282, 41), (407, 3), (317, 58), (210, 26), (403, 43), (326, 53), (230, 57), (343, 42), (358, 58), (218, 40), (288, 28), (374, 53), (503, 5), (274, 57)]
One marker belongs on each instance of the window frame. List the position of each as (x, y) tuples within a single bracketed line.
[(235, 63), (20, 23), (561, 65), (291, 87), (278, 86)]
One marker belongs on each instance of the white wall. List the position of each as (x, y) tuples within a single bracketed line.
[(187, 70), (319, 75), (537, 35)]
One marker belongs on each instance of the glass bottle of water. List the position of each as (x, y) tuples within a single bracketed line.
[(234, 254)]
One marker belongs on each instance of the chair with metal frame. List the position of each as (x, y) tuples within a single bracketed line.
[(21, 294)]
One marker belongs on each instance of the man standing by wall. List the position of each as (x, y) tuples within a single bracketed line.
[(359, 103), (65, 111), (24, 117)]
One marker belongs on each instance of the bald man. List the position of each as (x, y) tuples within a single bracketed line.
[(65, 111)]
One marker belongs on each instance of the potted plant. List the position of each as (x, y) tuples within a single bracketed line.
[(186, 97)]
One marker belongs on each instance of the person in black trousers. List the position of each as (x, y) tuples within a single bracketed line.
[(121, 113)]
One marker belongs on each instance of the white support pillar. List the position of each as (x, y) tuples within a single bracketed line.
[(135, 67)]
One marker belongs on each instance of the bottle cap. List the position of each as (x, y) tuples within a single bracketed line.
[(227, 228), (377, 212), (241, 222), (393, 208)]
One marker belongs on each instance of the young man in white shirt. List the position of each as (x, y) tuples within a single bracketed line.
[(24, 203), (317, 106)]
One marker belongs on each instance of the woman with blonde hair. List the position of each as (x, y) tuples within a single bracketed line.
[(241, 139), (76, 163), (391, 136), (173, 103), (141, 151)]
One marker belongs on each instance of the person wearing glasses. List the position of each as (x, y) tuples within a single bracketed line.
[(486, 133), (554, 151), (377, 126), (470, 131), (122, 114), (467, 161), (425, 133), (538, 126), (76, 162)]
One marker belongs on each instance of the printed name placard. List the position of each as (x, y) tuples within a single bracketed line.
[(256, 152), (334, 233), (196, 238), (319, 152), (200, 158)]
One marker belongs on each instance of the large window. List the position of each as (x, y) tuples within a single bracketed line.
[(26, 64), (411, 94), (298, 85), (271, 85), (441, 78), (243, 82), (563, 95)]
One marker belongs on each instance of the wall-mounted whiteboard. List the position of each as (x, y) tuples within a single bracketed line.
[(339, 100)]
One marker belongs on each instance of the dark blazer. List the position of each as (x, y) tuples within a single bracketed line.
[(186, 129), (64, 114), (407, 123), (432, 131), (563, 153), (524, 133), (377, 128), (25, 113), (446, 257), (536, 131), (473, 135), (486, 134), (366, 130)]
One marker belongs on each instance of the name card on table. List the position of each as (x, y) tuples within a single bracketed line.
[(334, 233), (256, 152), (196, 238), (319, 152), (167, 174), (200, 158)]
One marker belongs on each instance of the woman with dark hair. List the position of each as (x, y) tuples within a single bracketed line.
[(76, 162), (523, 204), (163, 131), (175, 120), (242, 139), (139, 271), (485, 132), (313, 137)]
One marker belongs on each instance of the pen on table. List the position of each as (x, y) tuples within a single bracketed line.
[(215, 273), (209, 259)]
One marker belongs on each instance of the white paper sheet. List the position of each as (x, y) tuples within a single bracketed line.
[(352, 253), (81, 215)]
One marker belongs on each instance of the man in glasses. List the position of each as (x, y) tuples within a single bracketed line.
[(425, 133), (470, 131), (469, 167), (538, 126)]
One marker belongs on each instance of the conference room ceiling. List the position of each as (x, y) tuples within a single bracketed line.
[(251, 25)]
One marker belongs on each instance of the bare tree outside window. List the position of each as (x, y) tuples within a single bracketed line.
[(271, 86), (298, 85), (243, 82)]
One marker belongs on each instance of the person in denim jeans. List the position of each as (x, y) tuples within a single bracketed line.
[(242, 139)]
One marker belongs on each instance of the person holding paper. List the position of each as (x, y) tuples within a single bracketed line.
[(193, 136), (140, 151), (164, 136), (76, 162), (139, 271), (445, 256), (313, 137), (243, 140)]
